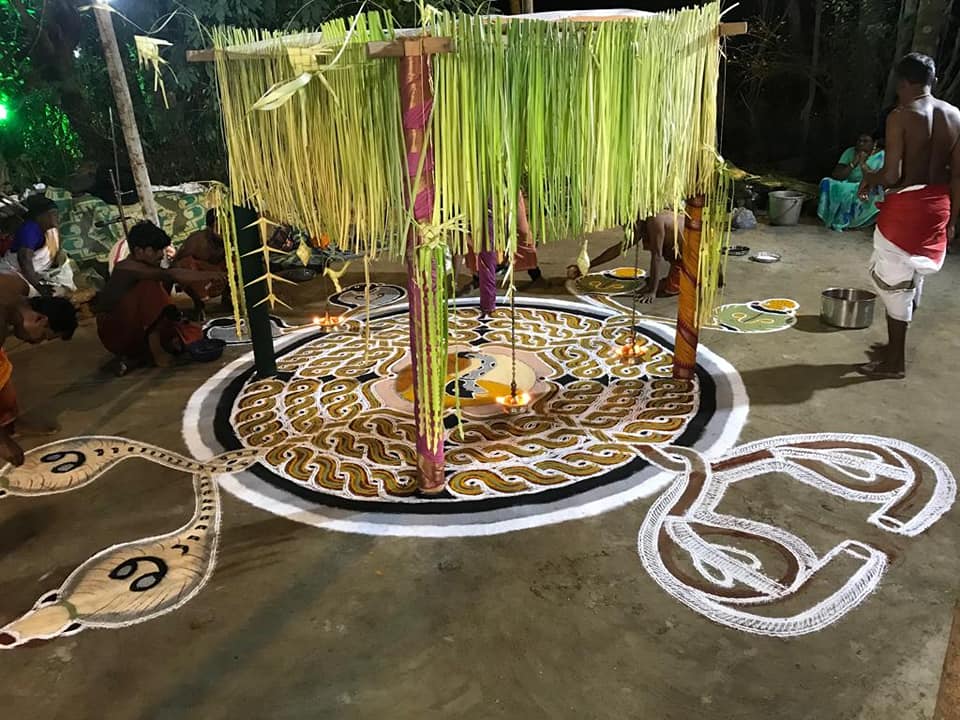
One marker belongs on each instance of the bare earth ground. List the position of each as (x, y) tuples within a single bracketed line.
[(555, 622)]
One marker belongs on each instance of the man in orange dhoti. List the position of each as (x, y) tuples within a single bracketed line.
[(203, 250), (137, 320), (32, 320)]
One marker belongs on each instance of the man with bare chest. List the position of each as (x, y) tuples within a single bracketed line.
[(204, 251), (918, 217)]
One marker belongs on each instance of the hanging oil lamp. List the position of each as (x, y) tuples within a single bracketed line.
[(632, 352), (516, 402)]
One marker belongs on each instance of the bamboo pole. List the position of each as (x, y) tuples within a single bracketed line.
[(688, 334), (416, 102), (128, 121)]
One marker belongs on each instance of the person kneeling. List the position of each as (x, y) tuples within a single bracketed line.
[(656, 234), (136, 318), (32, 320)]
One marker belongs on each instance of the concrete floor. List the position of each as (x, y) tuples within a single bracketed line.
[(555, 622)]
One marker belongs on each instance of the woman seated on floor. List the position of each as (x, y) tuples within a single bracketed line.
[(839, 207), (35, 253), (136, 318)]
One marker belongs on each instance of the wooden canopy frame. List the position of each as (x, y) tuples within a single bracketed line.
[(413, 50)]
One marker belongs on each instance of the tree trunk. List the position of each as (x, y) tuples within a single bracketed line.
[(905, 28), (951, 91), (128, 123), (920, 29), (794, 20), (932, 16), (807, 112)]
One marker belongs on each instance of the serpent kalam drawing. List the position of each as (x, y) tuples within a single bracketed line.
[(327, 442)]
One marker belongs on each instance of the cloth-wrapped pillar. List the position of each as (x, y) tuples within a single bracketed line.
[(425, 270), (688, 331)]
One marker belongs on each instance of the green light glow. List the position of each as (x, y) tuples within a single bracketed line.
[(4, 112)]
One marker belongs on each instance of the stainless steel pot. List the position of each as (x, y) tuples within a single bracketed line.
[(847, 308)]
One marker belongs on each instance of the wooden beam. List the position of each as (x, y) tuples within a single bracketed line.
[(410, 47), (730, 29), (198, 56)]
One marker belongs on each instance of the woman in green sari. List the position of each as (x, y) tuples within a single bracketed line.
[(839, 207)]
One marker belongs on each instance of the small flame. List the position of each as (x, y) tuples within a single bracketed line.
[(632, 351), (327, 322), (514, 401)]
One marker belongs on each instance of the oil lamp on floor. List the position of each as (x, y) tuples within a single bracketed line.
[(326, 323)]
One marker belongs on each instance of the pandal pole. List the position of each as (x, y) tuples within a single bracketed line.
[(258, 311), (416, 102), (688, 333)]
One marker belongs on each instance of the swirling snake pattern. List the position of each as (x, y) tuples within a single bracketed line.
[(329, 429)]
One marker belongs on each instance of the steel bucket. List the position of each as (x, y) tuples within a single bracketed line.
[(847, 308)]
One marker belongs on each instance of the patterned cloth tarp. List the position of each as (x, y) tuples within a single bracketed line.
[(181, 213)]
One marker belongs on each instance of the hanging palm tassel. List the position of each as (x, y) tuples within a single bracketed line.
[(714, 239), (219, 197), (607, 121), (148, 54), (323, 150), (600, 122)]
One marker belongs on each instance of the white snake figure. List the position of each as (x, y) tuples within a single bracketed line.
[(132, 582), (140, 580), (696, 553)]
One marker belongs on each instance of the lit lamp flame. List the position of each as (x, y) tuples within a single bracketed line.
[(326, 323), (515, 402), (632, 352)]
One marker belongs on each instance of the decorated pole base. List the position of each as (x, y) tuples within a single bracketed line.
[(431, 478)]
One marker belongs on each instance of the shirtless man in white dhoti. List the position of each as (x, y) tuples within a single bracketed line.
[(918, 216)]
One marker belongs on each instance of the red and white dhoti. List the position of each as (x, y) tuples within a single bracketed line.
[(910, 242)]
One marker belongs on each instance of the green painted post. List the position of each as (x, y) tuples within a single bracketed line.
[(258, 315)]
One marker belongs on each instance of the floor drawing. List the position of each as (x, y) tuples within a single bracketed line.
[(134, 581), (741, 572), (617, 281), (381, 295), (756, 316), (336, 431), (328, 443), (225, 329), (347, 302)]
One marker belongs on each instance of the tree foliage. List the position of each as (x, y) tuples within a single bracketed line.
[(776, 90), (794, 98), (52, 75)]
